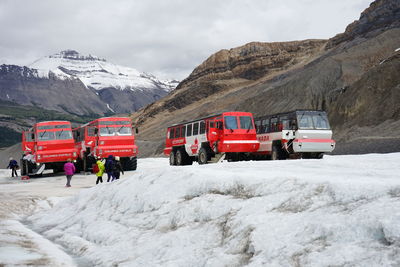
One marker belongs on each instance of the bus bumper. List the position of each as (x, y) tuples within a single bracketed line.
[(310, 145), (239, 146)]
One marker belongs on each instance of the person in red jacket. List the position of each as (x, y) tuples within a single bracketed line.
[(69, 169)]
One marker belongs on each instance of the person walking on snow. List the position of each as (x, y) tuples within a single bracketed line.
[(110, 165), (117, 169), (13, 165), (99, 174), (69, 169)]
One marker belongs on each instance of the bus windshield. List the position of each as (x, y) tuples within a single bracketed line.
[(55, 135), (246, 122), (317, 121), (112, 131), (231, 122), (46, 136), (63, 134)]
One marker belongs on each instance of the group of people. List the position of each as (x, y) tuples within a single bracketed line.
[(112, 166)]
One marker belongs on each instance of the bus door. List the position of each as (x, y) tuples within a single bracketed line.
[(90, 138), (214, 133), (28, 141)]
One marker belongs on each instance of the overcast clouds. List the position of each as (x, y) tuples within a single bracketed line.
[(168, 38)]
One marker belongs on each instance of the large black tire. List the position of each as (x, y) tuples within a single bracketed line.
[(278, 153), (180, 158), (203, 156), (274, 153), (79, 165), (23, 167), (172, 159), (130, 164)]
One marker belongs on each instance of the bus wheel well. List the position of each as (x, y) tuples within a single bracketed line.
[(277, 151), (206, 145)]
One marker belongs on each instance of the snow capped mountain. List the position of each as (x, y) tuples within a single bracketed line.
[(97, 73), (88, 85)]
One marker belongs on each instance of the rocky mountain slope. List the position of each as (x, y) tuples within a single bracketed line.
[(335, 75)]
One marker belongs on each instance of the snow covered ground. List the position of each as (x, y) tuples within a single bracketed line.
[(338, 211)]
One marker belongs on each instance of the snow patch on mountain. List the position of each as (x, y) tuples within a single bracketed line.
[(97, 73)]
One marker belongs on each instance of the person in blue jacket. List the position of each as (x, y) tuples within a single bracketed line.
[(13, 165), (110, 166)]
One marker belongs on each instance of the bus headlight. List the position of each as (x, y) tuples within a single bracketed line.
[(101, 142), (40, 147)]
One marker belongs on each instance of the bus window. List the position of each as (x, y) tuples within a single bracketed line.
[(104, 131), (305, 121), (91, 131), (63, 134), (189, 130), (230, 122), (177, 132), (212, 124), (320, 122), (28, 136), (171, 133), (202, 127), (62, 126), (265, 126), (124, 130), (46, 136), (183, 131), (246, 122), (258, 126), (274, 125), (195, 128), (45, 127)]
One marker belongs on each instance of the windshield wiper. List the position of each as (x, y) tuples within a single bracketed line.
[(43, 133), (61, 133), (248, 128)]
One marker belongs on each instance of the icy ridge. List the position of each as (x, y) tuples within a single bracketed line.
[(341, 210), (97, 73)]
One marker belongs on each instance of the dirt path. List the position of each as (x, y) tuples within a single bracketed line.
[(19, 245)]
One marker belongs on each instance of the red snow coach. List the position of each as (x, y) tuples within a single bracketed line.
[(104, 137), (296, 134), (47, 145), (230, 135)]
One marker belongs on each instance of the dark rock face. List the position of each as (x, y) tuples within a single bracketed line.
[(24, 86), (124, 101), (380, 16), (356, 80)]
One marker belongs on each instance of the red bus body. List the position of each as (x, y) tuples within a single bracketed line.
[(103, 137), (230, 134), (49, 144)]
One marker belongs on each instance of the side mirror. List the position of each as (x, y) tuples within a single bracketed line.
[(78, 134), (136, 130), (96, 130), (33, 136)]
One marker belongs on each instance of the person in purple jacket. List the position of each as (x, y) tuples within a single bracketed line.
[(69, 169)]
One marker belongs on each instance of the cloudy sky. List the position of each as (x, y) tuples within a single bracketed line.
[(168, 38)]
